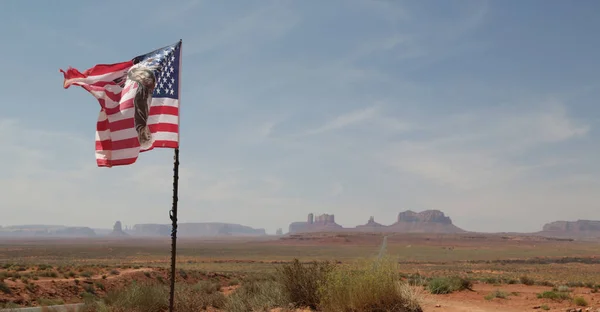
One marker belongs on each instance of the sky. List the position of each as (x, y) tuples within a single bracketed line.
[(485, 110)]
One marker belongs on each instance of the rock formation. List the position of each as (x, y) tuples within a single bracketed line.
[(371, 226), (118, 230), (197, 230), (321, 223), (572, 229), (429, 221)]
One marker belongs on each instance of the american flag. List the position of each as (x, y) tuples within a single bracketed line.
[(117, 141)]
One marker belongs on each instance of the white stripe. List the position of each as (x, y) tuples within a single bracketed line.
[(163, 118), (165, 136), (165, 102), (120, 154)]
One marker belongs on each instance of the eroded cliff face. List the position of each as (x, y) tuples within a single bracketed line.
[(434, 216), (429, 221), (578, 226)]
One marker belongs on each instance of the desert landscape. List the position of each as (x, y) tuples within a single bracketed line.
[(438, 267)]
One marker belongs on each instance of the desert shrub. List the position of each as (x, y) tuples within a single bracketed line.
[(580, 301), (417, 280), (86, 274), (114, 272), (554, 295), (99, 285), (301, 281), (89, 289), (446, 285), (491, 280), (545, 307), (197, 298), (370, 286), (104, 277), (512, 281), (147, 274), (256, 295), (496, 294), (545, 283), (43, 267), (48, 274), (575, 284), (139, 298), (44, 302), (562, 288), (233, 282), (4, 288), (525, 280), (207, 287)]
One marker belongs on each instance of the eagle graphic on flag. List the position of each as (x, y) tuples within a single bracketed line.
[(139, 104)]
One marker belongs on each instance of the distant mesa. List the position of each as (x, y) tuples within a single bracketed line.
[(320, 223), (118, 230), (428, 221), (197, 230), (40, 230), (572, 229)]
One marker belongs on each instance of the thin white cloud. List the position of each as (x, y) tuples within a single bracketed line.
[(346, 120)]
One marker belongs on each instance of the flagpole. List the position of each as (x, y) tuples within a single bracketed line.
[(173, 216), (173, 212)]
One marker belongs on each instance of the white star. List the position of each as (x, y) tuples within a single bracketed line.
[(171, 69), (173, 58), (170, 85), (161, 85), (171, 91), (172, 80)]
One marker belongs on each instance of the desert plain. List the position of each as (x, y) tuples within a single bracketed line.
[(505, 272)]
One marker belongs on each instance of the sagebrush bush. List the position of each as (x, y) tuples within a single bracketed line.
[(370, 286), (580, 301), (4, 288), (554, 295), (525, 280), (301, 281), (257, 295), (446, 285)]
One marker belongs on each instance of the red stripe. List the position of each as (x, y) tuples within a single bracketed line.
[(119, 145), (122, 124), (123, 106), (102, 125), (132, 143), (100, 69), (163, 127), (164, 110), (115, 162)]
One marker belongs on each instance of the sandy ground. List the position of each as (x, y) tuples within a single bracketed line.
[(525, 299)]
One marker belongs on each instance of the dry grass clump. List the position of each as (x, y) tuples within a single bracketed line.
[(368, 286)]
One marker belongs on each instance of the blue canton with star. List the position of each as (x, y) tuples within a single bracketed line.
[(167, 74)]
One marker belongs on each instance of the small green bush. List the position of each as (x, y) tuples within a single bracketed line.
[(446, 285), (580, 301), (525, 280), (496, 294), (554, 295)]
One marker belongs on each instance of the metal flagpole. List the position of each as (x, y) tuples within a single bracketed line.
[(173, 212), (173, 216)]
